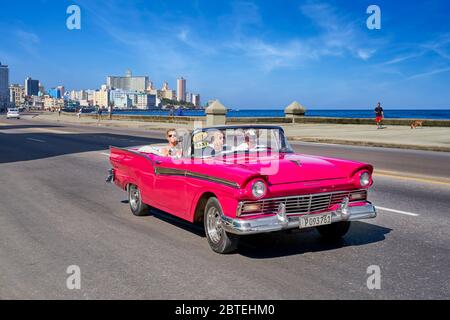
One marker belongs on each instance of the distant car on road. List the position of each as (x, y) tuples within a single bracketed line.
[(240, 180), (13, 113)]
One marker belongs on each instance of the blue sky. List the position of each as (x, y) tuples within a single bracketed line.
[(248, 54)]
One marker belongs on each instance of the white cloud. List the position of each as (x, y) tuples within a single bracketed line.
[(27, 40), (429, 73), (365, 54)]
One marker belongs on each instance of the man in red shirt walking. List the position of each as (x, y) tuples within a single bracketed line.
[(379, 114)]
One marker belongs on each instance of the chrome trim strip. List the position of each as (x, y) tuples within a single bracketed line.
[(213, 179)]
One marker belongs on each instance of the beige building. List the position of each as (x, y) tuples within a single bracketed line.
[(165, 92), (53, 103), (101, 98), (78, 95), (17, 95)]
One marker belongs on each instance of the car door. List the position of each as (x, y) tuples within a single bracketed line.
[(170, 185)]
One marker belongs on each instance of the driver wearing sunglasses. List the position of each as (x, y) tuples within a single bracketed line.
[(173, 149)]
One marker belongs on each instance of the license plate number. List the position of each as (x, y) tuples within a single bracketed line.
[(314, 221)]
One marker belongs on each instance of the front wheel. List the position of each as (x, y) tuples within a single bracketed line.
[(219, 240), (334, 231), (135, 200)]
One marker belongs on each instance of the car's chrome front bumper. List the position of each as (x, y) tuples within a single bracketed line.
[(281, 221)]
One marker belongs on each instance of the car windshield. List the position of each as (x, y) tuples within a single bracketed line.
[(226, 141)]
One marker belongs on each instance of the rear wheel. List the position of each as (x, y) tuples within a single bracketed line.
[(334, 231), (135, 200), (219, 240)]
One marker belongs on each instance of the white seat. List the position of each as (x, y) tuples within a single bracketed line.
[(153, 149)]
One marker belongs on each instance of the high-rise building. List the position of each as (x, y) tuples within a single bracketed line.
[(128, 82), (181, 89), (196, 100), (56, 93), (16, 95), (130, 99), (145, 101), (188, 97), (4, 86), (41, 89), (90, 96), (120, 99), (31, 87), (62, 90)]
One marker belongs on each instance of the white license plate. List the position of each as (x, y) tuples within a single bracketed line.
[(315, 220)]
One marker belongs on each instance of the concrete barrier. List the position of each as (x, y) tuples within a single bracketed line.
[(216, 114), (261, 120), (268, 120)]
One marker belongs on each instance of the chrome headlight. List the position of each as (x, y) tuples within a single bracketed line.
[(259, 189), (364, 179)]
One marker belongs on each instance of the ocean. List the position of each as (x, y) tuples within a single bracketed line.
[(402, 114)]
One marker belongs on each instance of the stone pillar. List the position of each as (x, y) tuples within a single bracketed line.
[(294, 110), (215, 114)]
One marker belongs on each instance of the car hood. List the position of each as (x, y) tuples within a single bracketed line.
[(291, 168)]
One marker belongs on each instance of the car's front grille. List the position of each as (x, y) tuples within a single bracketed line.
[(301, 204)]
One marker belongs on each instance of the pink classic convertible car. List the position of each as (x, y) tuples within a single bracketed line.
[(240, 180)]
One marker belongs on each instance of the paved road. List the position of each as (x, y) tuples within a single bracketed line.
[(56, 211)]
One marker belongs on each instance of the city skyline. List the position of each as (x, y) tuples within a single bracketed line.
[(119, 92), (247, 54)]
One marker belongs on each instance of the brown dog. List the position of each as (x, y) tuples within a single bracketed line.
[(416, 123)]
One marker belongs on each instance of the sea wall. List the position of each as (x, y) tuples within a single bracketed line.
[(268, 120), (391, 122)]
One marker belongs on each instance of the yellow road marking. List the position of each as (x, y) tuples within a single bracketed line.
[(411, 177)]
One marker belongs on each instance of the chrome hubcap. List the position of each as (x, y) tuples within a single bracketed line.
[(214, 225), (134, 198)]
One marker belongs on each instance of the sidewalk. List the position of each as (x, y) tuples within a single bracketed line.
[(427, 138)]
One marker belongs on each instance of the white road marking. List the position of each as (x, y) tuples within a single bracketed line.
[(54, 131), (398, 211), (105, 154), (36, 140)]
